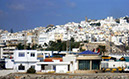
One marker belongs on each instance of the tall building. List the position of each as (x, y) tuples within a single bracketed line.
[(86, 19)]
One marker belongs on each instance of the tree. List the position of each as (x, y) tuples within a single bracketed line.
[(64, 46), (61, 45), (52, 43), (81, 50), (102, 49), (72, 39), (117, 21), (76, 45), (86, 41), (34, 46), (45, 44), (58, 41), (96, 24), (126, 47), (39, 46), (28, 47), (20, 46), (127, 19), (31, 70)]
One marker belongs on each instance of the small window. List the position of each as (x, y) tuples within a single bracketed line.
[(32, 54), (68, 67), (21, 54), (33, 66), (54, 67)]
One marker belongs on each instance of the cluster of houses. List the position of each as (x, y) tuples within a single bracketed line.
[(102, 30), (90, 30), (109, 30), (64, 62), (53, 61)]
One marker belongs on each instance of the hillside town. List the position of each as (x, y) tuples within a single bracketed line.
[(89, 46)]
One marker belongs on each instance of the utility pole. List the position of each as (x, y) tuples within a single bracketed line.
[(43, 46), (70, 42), (25, 41), (110, 40), (67, 45)]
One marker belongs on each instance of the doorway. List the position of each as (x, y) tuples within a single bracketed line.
[(54, 67)]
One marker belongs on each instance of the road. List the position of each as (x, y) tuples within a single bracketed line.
[(5, 72)]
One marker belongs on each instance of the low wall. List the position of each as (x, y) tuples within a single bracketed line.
[(68, 76), (87, 71)]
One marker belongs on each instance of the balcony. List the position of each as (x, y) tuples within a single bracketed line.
[(8, 51)]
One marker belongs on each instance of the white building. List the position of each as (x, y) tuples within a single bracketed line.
[(55, 65), (7, 52), (24, 59), (43, 38)]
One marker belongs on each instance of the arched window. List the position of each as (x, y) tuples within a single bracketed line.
[(21, 67)]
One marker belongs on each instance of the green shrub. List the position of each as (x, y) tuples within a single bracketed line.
[(31, 70)]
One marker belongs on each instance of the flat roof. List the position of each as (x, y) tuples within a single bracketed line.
[(88, 58), (54, 63)]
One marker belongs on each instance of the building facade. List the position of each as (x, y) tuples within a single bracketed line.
[(24, 59)]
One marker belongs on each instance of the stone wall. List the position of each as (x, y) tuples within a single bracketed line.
[(68, 76), (91, 46)]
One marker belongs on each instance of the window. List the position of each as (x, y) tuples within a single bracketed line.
[(21, 54), (54, 67), (43, 66), (21, 67), (84, 65), (95, 64), (32, 54), (68, 67), (33, 66)]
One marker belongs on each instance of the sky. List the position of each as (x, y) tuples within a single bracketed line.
[(28, 14)]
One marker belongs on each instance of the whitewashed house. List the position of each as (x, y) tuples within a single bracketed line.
[(50, 63), (24, 59), (43, 38), (54, 65)]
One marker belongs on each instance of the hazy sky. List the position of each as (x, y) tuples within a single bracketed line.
[(28, 14)]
